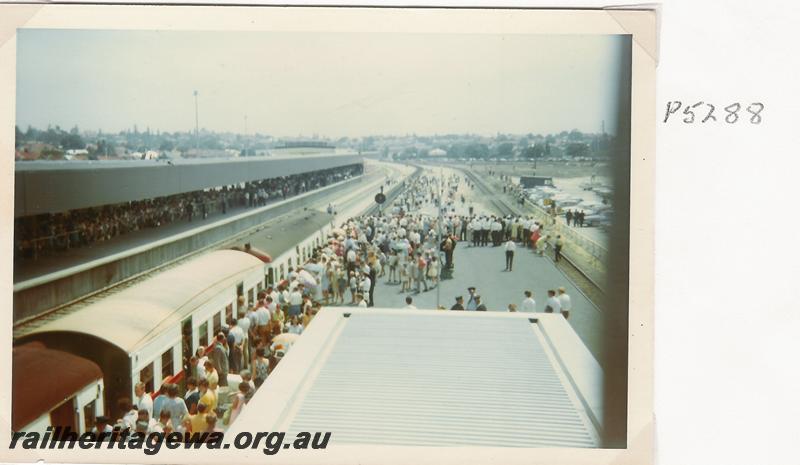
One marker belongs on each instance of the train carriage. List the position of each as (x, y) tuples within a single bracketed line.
[(148, 331), (54, 388)]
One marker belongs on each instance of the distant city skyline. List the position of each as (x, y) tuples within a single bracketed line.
[(334, 85), (299, 137)]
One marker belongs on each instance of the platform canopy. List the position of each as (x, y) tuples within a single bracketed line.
[(58, 186)]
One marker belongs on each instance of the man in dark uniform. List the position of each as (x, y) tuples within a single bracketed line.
[(459, 305)]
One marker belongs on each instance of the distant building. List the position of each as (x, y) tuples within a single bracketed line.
[(74, 152), (535, 181), (303, 148), (305, 144)]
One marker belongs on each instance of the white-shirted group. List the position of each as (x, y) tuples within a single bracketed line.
[(558, 301)]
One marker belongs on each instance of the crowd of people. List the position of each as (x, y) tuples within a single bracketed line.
[(42, 235), (245, 351), (404, 245)]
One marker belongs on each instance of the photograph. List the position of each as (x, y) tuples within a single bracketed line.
[(416, 230)]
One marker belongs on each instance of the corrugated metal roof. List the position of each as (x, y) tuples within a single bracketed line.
[(426, 380)]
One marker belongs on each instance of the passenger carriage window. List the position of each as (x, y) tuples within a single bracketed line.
[(203, 334), (146, 376), (250, 297), (88, 416), (166, 364), (260, 287), (65, 415), (186, 343), (229, 312), (217, 324)]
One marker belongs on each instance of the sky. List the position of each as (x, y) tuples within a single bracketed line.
[(292, 84)]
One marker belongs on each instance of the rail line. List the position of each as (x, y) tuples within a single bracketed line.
[(582, 281)]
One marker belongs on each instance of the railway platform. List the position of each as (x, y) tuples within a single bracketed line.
[(483, 268)]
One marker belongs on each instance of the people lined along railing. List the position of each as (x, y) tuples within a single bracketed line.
[(48, 234)]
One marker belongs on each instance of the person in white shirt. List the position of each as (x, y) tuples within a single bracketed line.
[(201, 362), (131, 414), (294, 326), (565, 301), (295, 301), (497, 231), (366, 283), (235, 331), (244, 324), (142, 401), (553, 305), (252, 318), (486, 225), (272, 293), (510, 247), (263, 317), (353, 284), (360, 302), (351, 259), (409, 304), (528, 305)]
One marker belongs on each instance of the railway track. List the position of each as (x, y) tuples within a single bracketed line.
[(593, 291)]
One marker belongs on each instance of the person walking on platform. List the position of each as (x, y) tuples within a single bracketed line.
[(510, 247), (236, 349), (475, 231), (559, 245), (497, 232), (448, 246), (528, 305), (472, 303), (526, 231), (373, 278), (487, 228), (541, 244), (219, 358), (422, 266), (568, 216), (433, 271), (295, 301), (553, 304), (534, 240), (263, 317), (565, 301)]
